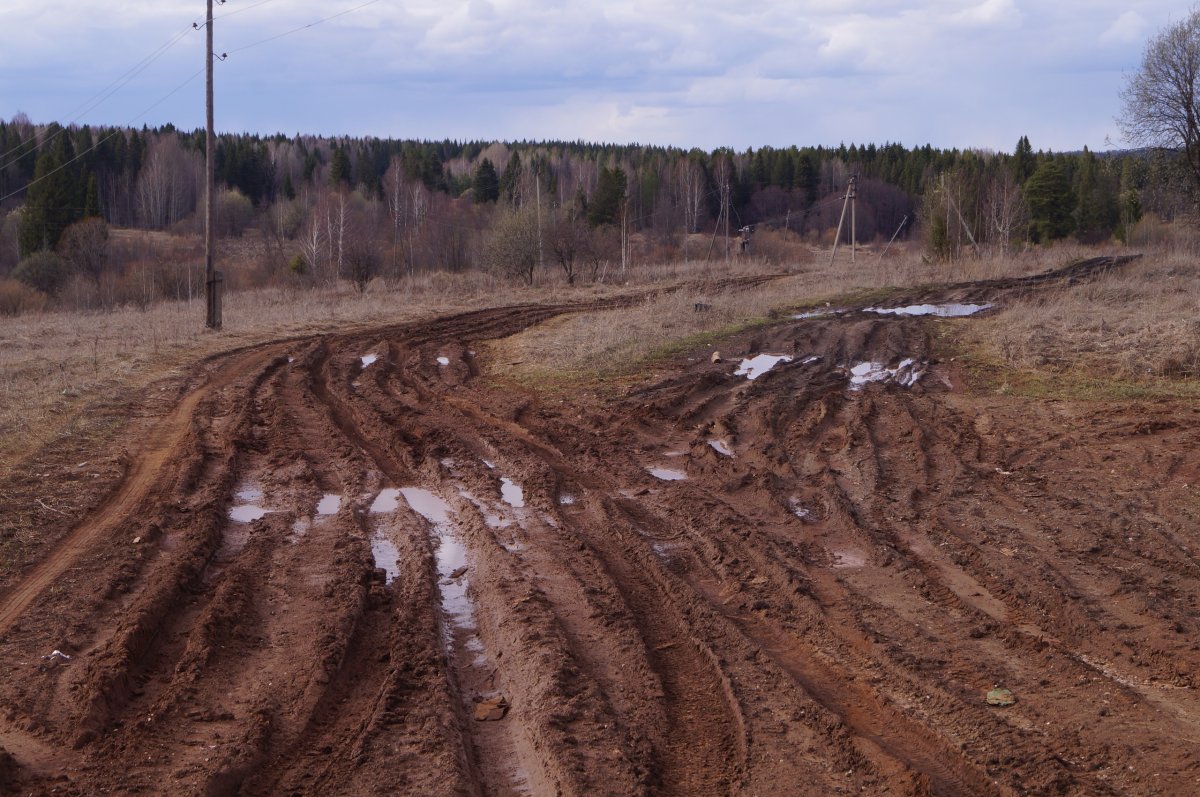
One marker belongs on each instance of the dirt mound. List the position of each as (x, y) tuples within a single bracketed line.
[(351, 564)]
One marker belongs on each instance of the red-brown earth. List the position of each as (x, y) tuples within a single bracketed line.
[(453, 585)]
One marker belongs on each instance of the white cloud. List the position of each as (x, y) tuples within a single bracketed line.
[(991, 12), (1128, 28)]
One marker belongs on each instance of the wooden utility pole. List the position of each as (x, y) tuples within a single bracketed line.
[(726, 198), (853, 217), (212, 278), (837, 239)]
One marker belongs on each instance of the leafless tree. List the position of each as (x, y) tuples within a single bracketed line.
[(1161, 101), (167, 184), (85, 246), (512, 247), (1007, 213)]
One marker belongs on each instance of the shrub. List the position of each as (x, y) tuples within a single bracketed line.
[(45, 271), (17, 298)]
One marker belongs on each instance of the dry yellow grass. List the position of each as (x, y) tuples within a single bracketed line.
[(1140, 323)]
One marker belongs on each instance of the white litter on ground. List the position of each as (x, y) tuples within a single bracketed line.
[(754, 367)]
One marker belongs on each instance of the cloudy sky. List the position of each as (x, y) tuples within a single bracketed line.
[(954, 73)]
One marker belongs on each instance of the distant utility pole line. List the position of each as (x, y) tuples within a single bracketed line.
[(850, 201)]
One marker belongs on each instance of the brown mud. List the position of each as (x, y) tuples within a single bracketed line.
[(447, 585)]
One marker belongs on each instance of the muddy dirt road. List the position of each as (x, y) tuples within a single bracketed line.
[(350, 565)]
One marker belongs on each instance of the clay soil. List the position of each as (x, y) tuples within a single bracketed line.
[(820, 606)]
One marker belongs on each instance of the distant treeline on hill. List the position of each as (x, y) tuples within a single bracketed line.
[(434, 204)]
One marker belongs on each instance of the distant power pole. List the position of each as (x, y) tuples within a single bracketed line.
[(212, 277), (849, 201)]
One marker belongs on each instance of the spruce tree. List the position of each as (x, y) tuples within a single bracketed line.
[(339, 168), (51, 205), (1051, 203), (485, 185), (510, 181)]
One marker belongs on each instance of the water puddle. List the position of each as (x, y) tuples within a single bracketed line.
[(512, 493), (721, 447), (667, 475), (386, 555), (490, 465), (815, 314), (907, 373), (329, 505), (249, 509), (490, 516), (387, 501), (799, 510), (754, 367), (937, 310), (247, 513), (443, 361), (369, 360)]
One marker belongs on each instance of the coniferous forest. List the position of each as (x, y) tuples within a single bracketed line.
[(326, 209)]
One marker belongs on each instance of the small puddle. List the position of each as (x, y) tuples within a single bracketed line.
[(329, 505), (512, 493), (566, 500), (369, 360), (667, 475), (799, 510), (247, 513), (754, 367), (386, 555), (721, 447), (815, 314), (939, 310), (443, 361)]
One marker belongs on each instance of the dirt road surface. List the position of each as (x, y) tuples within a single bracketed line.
[(353, 565)]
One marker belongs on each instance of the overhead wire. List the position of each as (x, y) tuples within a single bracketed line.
[(145, 63), (100, 97)]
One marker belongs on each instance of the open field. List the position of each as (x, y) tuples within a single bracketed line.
[(547, 545)]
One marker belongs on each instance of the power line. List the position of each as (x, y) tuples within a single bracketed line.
[(116, 131), (99, 98), (302, 27)]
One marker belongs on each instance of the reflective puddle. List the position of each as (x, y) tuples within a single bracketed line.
[(249, 508), (512, 493), (937, 310), (721, 447), (906, 373), (754, 367), (387, 501), (443, 360), (369, 359), (386, 555), (329, 505), (667, 475)]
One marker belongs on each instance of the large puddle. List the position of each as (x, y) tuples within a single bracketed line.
[(754, 367), (936, 310)]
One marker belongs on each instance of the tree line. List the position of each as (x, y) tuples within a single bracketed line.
[(407, 206)]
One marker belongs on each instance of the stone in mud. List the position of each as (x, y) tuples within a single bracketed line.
[(1001, 697)]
